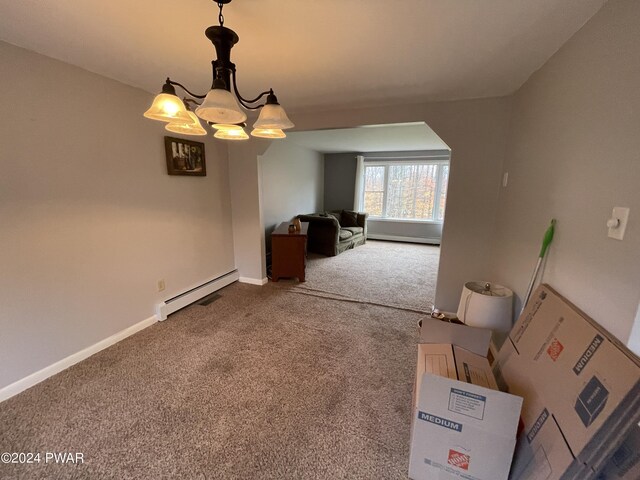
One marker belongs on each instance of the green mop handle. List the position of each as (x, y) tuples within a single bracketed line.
[(546, 241)]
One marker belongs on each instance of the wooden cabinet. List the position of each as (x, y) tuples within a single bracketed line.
[(288, 252)]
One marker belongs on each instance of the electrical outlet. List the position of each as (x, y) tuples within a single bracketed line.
[(161, 285)]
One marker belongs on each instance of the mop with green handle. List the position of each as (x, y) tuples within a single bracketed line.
[(546, 241)]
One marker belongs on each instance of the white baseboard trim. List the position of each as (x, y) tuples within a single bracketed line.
[(254, 281), (397, 238), (176, 303), (37, 377)]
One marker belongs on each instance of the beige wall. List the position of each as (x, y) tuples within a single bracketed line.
[(292, 183), (89, 218), (248, 229), (573, 154)]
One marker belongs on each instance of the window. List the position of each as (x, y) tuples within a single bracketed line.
[(374, 190), (415, 190)]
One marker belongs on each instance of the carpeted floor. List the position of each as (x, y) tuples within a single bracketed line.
[(262, 383), (395, 274)]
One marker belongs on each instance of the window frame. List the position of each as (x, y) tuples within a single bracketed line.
[(417, 161)]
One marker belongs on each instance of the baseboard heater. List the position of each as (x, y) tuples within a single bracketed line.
[(187, 298), (398, 238)]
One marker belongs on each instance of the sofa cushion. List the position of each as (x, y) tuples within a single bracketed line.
[(354, 230), (349, 219), (345, 234), (334, 215)]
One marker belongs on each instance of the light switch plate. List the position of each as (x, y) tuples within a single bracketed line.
[(622, 214)]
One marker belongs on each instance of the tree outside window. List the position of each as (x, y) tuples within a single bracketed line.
[(406, 191)]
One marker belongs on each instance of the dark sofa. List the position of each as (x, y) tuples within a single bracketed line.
[(331, 233)]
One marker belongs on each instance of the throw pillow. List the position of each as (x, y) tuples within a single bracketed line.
[(334, 215), (349, 218)]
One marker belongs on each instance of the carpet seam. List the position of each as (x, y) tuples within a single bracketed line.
[(365, 302)]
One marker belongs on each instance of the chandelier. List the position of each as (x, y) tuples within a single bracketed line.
[(221, 106)]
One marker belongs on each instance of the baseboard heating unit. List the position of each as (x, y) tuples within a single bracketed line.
[(187, 298), (397, 238)]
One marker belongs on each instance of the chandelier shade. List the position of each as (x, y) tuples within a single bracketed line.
[(193, 127), (227, 126), (222, 107), (273, 116), (268, 133), (231, 134), (168, 108)]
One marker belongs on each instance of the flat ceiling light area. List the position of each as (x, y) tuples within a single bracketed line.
[(330, 53), (401, 137)]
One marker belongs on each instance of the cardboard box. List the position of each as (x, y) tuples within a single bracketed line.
[(474, 339), (579, 384), (463, 427), (541, 451)]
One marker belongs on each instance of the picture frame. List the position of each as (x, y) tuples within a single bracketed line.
[(185, 157)]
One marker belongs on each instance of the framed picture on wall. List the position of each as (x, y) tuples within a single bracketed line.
[(184, 157)]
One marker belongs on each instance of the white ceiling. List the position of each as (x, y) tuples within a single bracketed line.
[(399, 137), (314, 53)]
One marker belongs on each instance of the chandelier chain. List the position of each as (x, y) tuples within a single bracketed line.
[(220, 15)]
